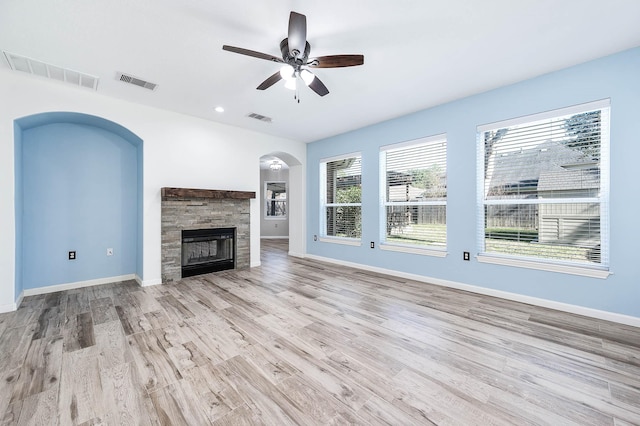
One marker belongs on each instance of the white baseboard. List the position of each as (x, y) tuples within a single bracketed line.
[(9, 307), (559, 306), (274, 237), (148, 283), (77, 284), (294, 254), (19, 301)]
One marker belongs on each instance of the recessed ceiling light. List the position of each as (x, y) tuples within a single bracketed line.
[(219, 109)]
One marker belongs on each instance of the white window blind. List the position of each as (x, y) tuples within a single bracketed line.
[(544, 185), (414, 193), (275, 200), (341, 190)]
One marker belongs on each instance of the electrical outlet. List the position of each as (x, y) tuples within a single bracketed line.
[(465, 255), (275, 225), (372, 245), (72, 255), (315, 238), (109, 252)]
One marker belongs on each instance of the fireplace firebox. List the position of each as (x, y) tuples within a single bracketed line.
[(208, 250)]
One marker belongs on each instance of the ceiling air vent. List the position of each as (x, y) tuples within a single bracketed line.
[(42, 69), (125, 78), (260, 117)]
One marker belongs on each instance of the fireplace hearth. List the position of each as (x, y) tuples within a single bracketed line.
[(207, 250)]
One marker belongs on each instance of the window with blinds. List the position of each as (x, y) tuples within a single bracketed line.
[(544, 186), (341, 191), (414, 193)]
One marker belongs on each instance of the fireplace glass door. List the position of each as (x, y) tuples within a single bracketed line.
[(207, 250)]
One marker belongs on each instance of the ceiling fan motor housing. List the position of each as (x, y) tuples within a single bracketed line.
[(294, 58)]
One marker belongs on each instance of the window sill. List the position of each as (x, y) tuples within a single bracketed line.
[(414, 250), (543, 266), (343, 241)]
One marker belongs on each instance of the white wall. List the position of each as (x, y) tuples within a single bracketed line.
[(179, 151)]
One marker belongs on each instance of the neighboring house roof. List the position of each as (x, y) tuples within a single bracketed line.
[(549, 166)]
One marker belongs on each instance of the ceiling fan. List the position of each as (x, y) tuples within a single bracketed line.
[(295, 59)]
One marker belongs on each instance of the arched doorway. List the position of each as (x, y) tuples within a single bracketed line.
[(282, 201)]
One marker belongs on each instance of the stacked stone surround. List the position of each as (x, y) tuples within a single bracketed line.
[(189, 210)]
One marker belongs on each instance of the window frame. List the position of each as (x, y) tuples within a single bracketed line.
[(427, 250), (539, 263), (267, 200), (323, 237)]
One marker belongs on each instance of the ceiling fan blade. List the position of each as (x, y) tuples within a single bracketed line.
[(251, 53), (336, 61), (318, 86), (297, 34), (270, 81)]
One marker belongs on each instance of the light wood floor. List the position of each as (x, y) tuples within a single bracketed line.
[(301, 342)]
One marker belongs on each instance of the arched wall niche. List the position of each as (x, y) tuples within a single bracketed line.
[(78, 187)]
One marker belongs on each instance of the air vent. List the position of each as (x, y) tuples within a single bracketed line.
[(260, 117), (54, 72), (125, 78)]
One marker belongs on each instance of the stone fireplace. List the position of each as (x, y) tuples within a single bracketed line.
[(185, 209)]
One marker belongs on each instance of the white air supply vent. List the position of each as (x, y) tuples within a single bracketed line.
[(42, 69), (260, 117), (126, 78)]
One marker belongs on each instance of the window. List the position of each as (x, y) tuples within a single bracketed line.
[(543, 182), (341, 191), (414, 195), (275, 197)]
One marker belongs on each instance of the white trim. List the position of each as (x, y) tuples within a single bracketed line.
[(274, 237), (10, 307), (414, 250), (427, 140), (544, 266), (341, 157), (77, 284), (338, 240), (298, 255), (148, 283), (565, 307), (19, 301), (255, 264), (575, 109)]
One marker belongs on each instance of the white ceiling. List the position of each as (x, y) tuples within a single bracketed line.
[(418, 53)]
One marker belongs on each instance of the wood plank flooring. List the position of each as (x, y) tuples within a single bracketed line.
[(299, 342)]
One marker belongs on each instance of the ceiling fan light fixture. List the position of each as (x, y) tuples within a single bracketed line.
[(290, 84), (287, 72), (275, 165), (307, 76)]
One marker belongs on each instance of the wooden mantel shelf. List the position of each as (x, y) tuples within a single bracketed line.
[(205, 193)]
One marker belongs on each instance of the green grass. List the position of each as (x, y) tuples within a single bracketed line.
[(513, 234), (544, 251), (424, 235)]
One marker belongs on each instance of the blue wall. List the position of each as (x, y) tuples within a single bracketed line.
[(614, 77), (79, 179), (18, 207)]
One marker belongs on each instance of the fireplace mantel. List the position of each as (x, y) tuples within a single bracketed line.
[(186, 193)]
